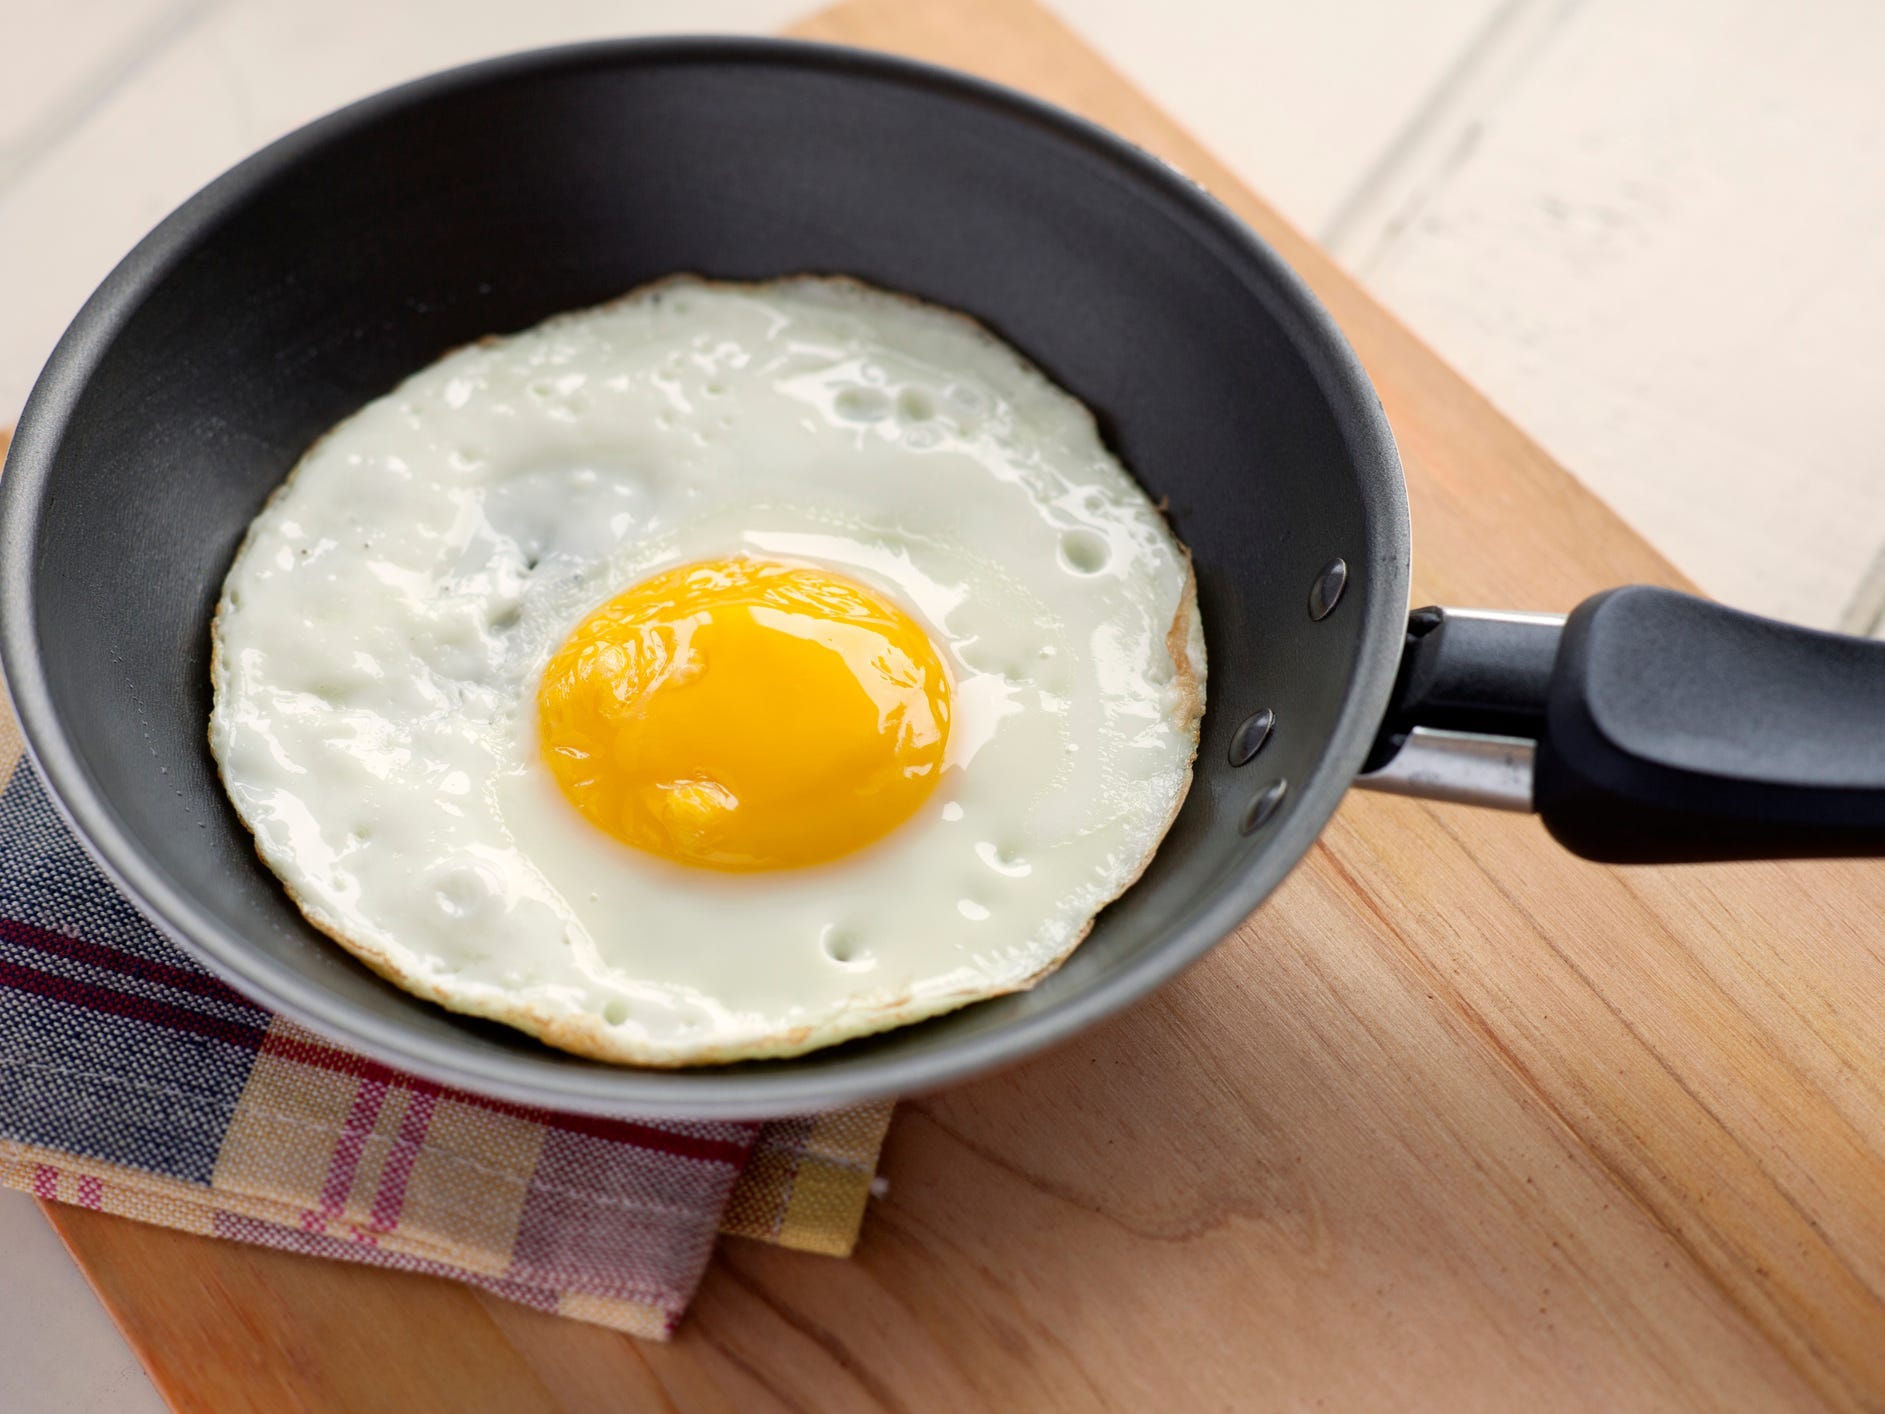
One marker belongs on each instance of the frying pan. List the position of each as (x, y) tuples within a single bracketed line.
[(316, 275)]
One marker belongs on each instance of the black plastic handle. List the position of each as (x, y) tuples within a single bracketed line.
[(1663, 728), (1676, 729)]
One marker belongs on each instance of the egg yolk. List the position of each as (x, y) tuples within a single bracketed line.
[(744, 714)]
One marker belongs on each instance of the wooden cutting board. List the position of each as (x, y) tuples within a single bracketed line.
[(1454, 1122)]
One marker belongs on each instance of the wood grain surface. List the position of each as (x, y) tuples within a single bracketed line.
[(1454, 1122)]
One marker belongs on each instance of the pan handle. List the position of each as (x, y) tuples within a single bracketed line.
[(1648, 727)]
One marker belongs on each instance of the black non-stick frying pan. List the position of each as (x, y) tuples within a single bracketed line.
[(319, 273)]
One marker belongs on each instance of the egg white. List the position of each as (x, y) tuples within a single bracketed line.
[(382, 632)]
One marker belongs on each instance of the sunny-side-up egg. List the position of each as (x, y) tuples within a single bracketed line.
[(722, 672)]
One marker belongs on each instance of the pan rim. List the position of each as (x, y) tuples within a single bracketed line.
[(751, 1091)]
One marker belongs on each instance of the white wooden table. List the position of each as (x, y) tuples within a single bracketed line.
[(1648, 228)]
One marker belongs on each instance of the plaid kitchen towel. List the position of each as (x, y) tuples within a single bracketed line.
[(134, 1082)]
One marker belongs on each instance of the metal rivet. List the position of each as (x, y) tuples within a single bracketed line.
[(1251, 736), (1257, 814), (1326, 592)]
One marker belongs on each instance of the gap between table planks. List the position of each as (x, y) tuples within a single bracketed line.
[(1455, 1121)]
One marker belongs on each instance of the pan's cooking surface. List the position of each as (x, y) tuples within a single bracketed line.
[(324, 270)]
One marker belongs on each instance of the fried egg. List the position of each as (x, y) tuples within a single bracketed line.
[(719, 673)]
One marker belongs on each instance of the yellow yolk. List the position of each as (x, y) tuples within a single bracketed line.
[(743, 714)]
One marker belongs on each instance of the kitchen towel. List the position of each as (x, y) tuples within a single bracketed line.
[(134, 1082)]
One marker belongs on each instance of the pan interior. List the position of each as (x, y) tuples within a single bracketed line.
[(323, 271)]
